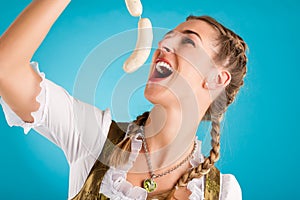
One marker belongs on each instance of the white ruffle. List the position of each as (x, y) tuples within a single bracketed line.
[(39, 116), (196, 186), (115, 185), (197, 157)]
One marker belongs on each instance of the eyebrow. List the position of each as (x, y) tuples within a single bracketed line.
[(186, 32), (170, 32), (192, 32)]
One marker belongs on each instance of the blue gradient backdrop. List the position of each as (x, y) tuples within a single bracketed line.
[(260, 134)]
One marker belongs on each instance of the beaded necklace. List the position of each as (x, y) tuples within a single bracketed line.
[(149, 184)]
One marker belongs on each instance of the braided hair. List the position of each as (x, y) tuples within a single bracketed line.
[(231, 56)]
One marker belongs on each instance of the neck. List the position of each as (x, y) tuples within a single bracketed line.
[(170, 133)]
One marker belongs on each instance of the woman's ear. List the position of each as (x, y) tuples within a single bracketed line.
[(218, 80), (224, 78)]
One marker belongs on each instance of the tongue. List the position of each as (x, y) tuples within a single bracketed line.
[(165, 73), (165, 70)]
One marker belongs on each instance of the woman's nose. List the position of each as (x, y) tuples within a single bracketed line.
[(165, 47)]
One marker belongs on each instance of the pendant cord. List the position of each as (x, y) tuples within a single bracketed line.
[(149, 184)]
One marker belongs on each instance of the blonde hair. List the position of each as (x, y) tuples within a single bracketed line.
[(121, 151), (231, 55)]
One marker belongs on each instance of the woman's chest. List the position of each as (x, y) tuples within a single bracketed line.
[(164, 184)]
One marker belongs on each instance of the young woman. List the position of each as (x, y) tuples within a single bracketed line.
[(195, 75)]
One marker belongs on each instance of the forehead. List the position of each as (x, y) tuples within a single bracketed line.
[(207, 33)]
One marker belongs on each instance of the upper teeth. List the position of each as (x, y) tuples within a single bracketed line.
[(161, 64)]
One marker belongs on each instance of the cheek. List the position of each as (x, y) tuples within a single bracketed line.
[(191, 73), (196, 60)]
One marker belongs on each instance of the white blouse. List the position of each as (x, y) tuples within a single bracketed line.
[(80, 130)]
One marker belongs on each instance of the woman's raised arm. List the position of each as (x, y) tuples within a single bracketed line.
[(19, 84)]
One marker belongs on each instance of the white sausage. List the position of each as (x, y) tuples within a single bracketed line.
[(134, 7), (143, 46)]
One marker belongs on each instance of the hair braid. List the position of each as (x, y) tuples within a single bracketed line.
[(232, 56), (209, 161), (121, 152), (141, 120)]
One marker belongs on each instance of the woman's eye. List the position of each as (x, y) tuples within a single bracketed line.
[(187, 40)]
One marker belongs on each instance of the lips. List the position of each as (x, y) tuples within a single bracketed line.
[(162, 70)]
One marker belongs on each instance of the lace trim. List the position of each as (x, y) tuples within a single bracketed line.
[(39, 116), (115, 185), (196, 186)]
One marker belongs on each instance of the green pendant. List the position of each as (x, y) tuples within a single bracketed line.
[(150, 185)]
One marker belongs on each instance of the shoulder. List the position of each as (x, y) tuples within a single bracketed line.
[(230, 188)]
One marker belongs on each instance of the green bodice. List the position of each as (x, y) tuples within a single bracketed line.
[(91, 187)]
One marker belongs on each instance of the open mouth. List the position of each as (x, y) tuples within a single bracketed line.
[(162, 70)]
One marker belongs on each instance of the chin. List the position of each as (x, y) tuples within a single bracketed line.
[(158, 94), (152, 93)]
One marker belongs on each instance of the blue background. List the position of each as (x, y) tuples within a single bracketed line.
[(260, 134)]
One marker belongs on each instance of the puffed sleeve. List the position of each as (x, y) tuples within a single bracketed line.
[(230, 188), (79, 129)]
